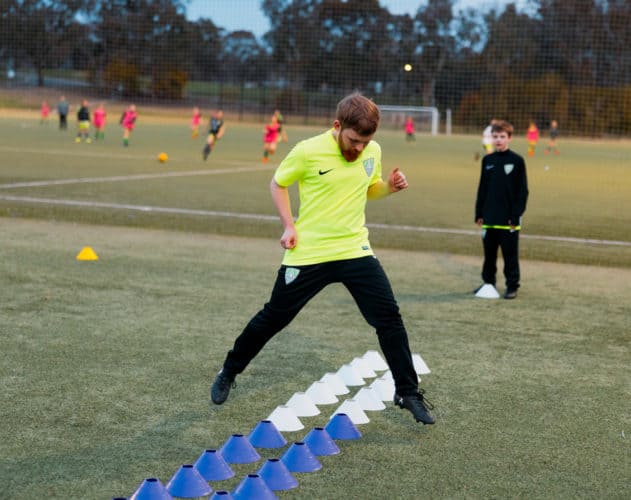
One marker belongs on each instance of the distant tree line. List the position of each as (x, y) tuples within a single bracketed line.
[(568, 60)]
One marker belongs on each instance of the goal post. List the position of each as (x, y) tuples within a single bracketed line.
[(426, 118)]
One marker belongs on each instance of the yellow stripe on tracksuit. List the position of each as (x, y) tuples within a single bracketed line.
[(510, 228)]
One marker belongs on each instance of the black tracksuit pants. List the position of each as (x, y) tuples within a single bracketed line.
[(509, 243), (366, 281)]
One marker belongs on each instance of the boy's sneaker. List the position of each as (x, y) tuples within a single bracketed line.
[(221, 387), (417, 405), (511, 293)]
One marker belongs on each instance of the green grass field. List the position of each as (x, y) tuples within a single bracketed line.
[(106, 365), (582, 195)]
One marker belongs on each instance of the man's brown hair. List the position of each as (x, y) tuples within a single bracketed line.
[(358, 113), (503, 126)]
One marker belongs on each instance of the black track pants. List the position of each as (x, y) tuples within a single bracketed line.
[(367, 282), (509, 242)]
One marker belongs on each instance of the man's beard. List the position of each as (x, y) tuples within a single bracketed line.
[(350, 155)]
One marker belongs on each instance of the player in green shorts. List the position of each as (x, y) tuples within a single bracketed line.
[(337, 172)]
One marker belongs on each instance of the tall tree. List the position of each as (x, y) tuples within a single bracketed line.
[(37, 30), (143, 37), (436, 44), (242, 58), (328, 43), (205, 45)]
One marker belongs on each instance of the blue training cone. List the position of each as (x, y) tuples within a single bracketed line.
[(238, 450), (212, 466), (299, 458), (276, 475), (151, 489), (266, 435), (341, 427), (253, 487), (188, 483), (320, 442)]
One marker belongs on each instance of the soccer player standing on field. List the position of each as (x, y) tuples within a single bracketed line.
[(216, 129), (500, 204), (128, 122), (83, 123), (337, 172)]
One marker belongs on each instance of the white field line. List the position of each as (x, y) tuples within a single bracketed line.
[(472, 232), (274, 218), (81, 153), (137, 208), (88, 153), (124, 178)]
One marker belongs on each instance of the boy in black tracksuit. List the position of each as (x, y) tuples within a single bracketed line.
[(501, 201)]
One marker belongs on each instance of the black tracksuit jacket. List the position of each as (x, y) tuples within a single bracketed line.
[(503, 189)]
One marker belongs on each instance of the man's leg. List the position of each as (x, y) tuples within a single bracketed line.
[(490, 243), (510, 253), (294, 287), (367, 282)]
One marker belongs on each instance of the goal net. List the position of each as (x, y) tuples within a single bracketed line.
[(426, 118)]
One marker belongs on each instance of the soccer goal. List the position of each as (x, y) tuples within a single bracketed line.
[(426, 118)]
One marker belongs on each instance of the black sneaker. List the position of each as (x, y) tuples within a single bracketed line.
[(206, 152), (418, 406), (221, 387), (511, 293)]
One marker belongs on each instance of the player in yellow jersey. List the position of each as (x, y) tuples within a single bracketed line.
[(337, 172)]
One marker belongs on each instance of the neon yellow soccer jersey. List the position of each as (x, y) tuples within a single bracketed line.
[(333, 194)]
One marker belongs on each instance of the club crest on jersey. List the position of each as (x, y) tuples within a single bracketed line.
[(291, 273), (369, 166), (508, 168)]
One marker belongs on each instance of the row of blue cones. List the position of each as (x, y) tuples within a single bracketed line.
[(191, 480)]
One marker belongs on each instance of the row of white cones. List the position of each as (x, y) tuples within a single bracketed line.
[(326, 391)]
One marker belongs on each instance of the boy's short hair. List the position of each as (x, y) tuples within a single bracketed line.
[(358, 113), (503, 126)]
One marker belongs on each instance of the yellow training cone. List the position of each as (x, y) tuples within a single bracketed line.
[(87, 253)]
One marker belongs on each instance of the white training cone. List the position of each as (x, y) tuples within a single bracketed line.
[(354, 411), (285, 419), (369, 400), (363, 368), (376, 361), (384, 389), (335, 382), (321, 394), (487, 291), (419, 365), (303, 405), (350, 376)]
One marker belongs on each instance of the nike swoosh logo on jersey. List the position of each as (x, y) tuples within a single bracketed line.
[(322, 172)]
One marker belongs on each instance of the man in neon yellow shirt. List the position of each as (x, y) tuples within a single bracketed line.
[(337, 172)]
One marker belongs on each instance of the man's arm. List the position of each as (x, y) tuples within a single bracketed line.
[(380, 189), (280, 196)]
